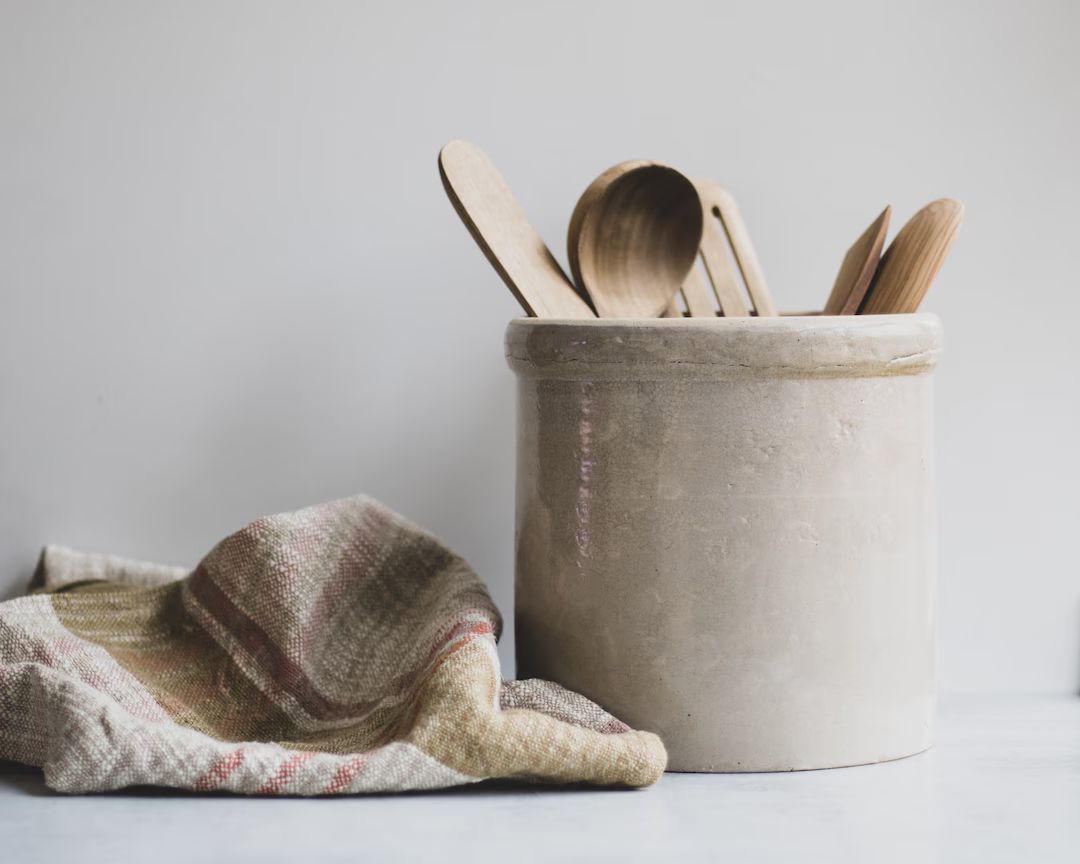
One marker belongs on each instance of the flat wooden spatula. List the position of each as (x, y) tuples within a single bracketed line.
[(501, 230), (913, 259), (858, 268)]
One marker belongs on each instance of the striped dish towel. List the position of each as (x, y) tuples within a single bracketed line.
[(337, 649)]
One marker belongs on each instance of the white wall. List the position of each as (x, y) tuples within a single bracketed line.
[(230, 283)]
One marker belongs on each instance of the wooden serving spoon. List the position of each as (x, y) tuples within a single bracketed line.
[(913, 259), (501, 230), (858, 268), (633, 237)]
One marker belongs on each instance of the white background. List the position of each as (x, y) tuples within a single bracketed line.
[(230, 283)]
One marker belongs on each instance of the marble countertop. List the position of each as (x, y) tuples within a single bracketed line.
[(1001, 784)]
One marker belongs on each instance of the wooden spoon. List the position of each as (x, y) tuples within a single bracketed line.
[(633, 237), (724, 227), (719, 204), (913, 259), (501, 230), (858, 268)]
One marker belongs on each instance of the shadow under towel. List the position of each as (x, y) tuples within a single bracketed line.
[(337, 649)]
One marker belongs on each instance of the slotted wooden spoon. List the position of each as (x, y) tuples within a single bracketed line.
[(724, 226)]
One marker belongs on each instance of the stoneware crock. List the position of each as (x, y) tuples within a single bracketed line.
[(726, 531)]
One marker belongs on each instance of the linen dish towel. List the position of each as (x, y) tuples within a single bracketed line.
[(337, 649)]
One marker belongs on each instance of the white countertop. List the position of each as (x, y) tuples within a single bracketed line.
[(1002, 784)]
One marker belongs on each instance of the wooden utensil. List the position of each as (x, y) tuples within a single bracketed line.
[(719, 203), (633, 237), (501, 230), (913, 259), (724, 227), (858, 268)]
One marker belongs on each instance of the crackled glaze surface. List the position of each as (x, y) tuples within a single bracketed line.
[(726, 533)]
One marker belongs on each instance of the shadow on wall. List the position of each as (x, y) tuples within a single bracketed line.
[(22, 580)]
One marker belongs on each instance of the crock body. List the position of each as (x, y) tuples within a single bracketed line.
[(725, 531)]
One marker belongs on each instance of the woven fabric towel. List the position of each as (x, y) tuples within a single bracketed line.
[(337, 649)]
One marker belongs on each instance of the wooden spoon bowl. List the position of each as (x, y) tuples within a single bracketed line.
[(633, 238)]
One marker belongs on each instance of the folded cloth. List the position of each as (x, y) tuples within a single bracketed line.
[(337, 649)]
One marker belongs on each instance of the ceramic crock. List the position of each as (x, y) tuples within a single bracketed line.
[(725, 531)]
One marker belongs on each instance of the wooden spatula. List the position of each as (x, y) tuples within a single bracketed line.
[(724, 226), (913, 259), (501, 230), (858, 268)]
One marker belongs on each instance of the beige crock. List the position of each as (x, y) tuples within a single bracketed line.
[(726, 531)]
